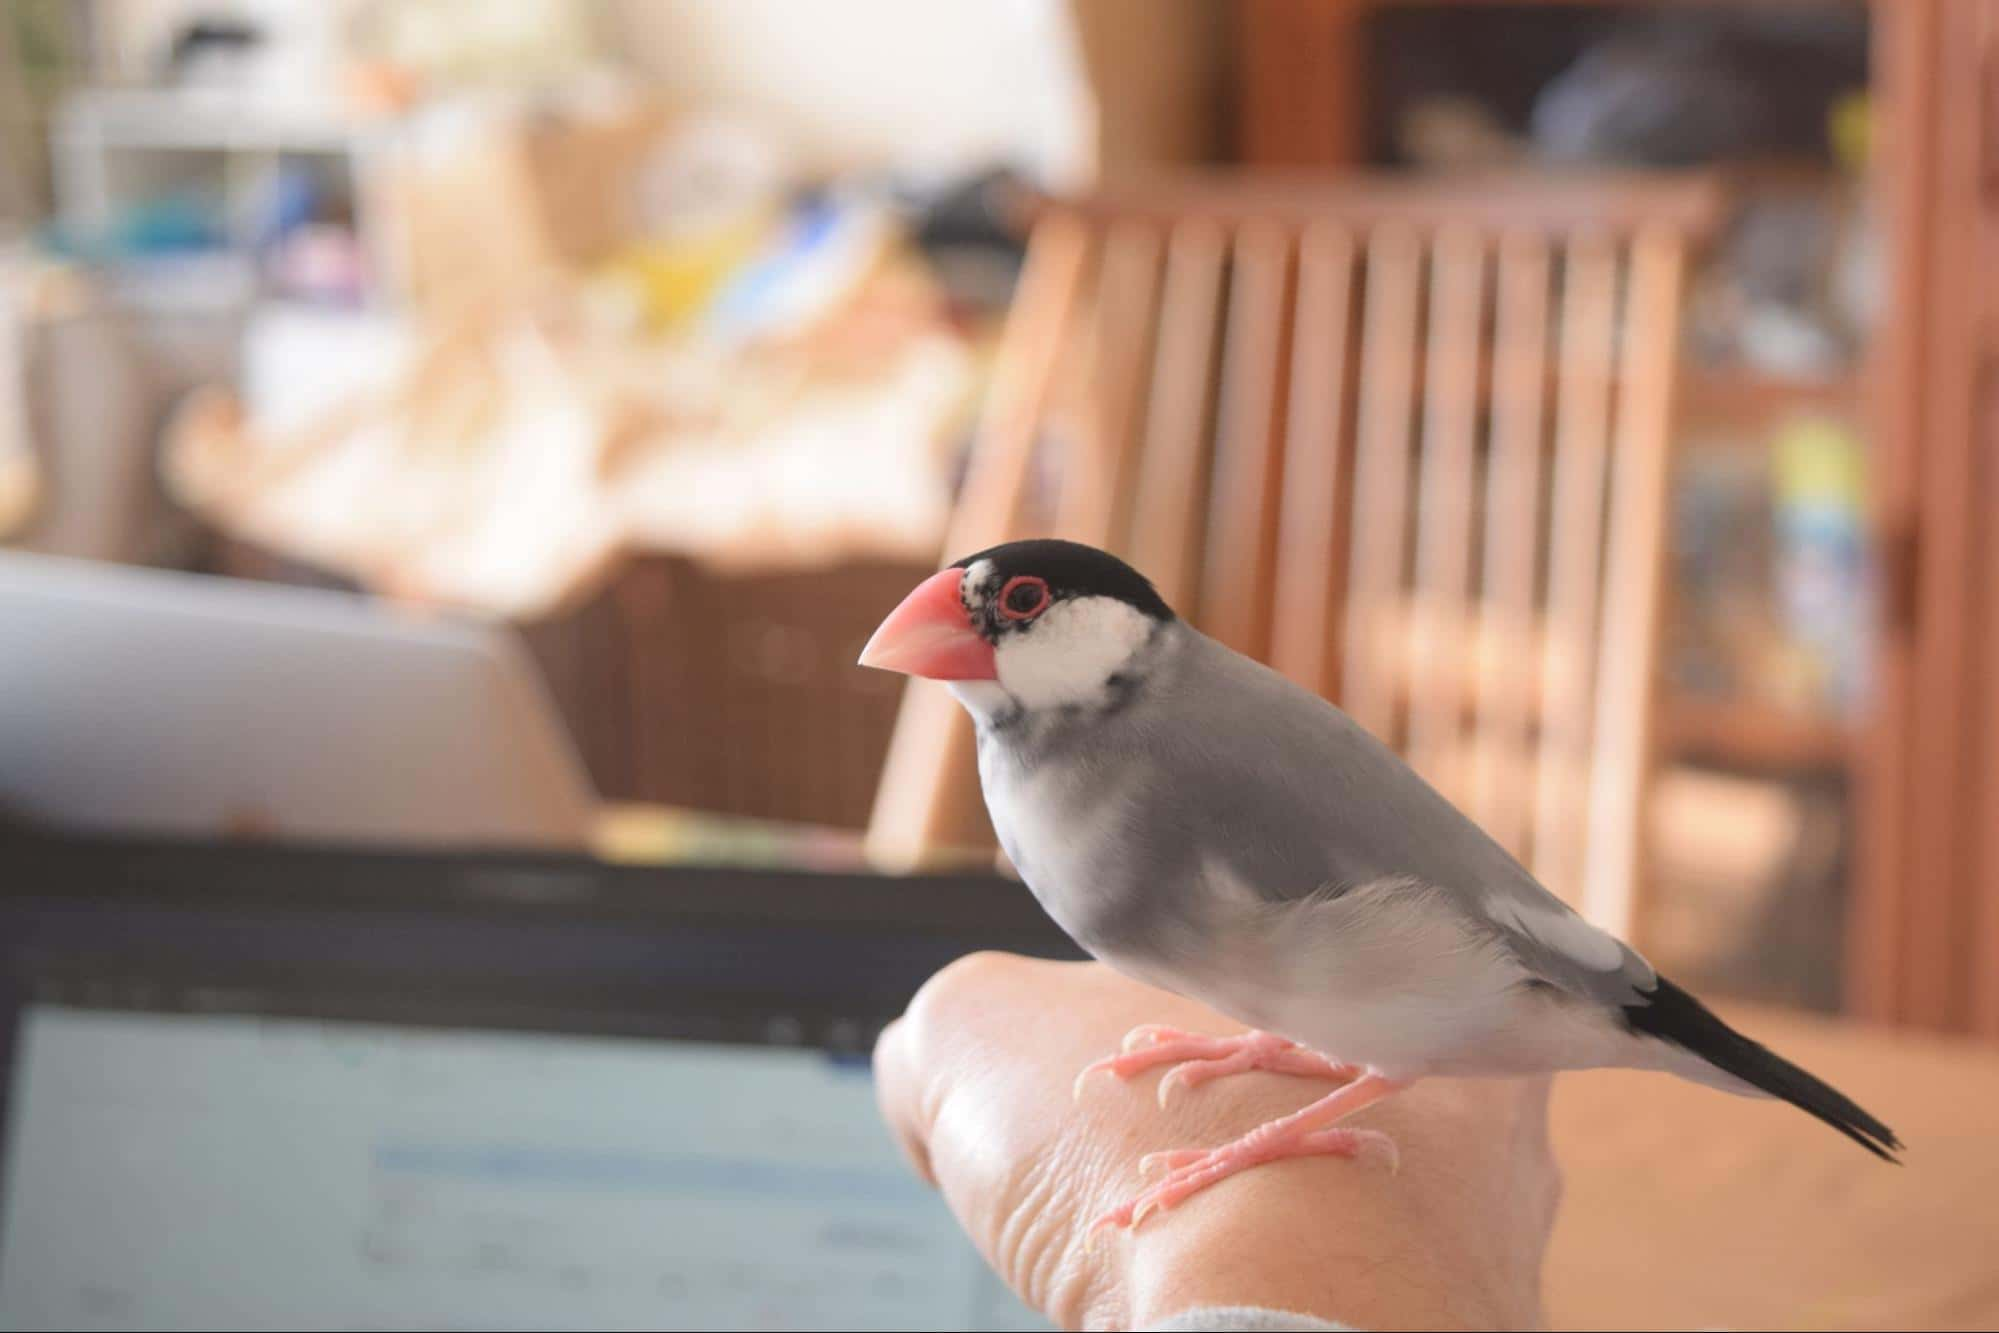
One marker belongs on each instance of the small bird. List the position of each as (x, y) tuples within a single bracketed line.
[(1202, 824)]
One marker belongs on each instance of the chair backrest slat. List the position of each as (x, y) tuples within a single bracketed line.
[(1171, 503), (1249, 456), (1582, 437), (1509, 641), (1095, 504), (1444, 517), (1391, 328), (1634, 579), (1314, 528), (1030, 359), (921, 804)]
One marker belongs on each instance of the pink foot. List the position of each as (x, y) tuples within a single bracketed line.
[(1197, 1059), (1309, 1132)]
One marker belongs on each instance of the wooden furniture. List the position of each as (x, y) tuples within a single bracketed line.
[(1406, 442), (1924, 936), (1306, 75), (1303, 85), (1925, 931)]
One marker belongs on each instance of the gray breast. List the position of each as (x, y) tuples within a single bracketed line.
[(1061, 822), (1089, 809)]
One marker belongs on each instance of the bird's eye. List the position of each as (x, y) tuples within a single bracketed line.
[(1023, 598)]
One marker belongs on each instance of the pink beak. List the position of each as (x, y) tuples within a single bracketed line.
[(930, 635)]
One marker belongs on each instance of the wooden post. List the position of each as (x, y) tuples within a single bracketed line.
[(929, 799)]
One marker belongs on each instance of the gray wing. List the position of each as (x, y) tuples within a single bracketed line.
[(1300, 801)]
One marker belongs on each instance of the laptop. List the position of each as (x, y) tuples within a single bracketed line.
[(141, 699), (274, 1088)]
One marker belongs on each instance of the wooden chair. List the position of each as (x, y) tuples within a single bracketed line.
[(1406, 442)]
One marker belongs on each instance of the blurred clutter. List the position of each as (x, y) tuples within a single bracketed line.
[(625, 331), (759, 383), (1771, 560), (658, 345)]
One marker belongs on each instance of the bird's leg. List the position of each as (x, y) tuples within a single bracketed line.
[(1309, 1132), (1196, 1059)]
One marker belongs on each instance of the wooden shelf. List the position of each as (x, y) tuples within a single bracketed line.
[(1752, 735), (1784, 175), (1748, 397)]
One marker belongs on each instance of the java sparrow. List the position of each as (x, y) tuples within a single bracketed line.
[(1202, 824)]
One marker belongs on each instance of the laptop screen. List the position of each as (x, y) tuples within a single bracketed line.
[(188, 1145)]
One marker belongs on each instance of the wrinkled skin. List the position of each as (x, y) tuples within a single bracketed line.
[(975, 1082)]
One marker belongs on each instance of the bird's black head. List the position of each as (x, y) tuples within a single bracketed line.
[(1015, 583), (1026, 626)]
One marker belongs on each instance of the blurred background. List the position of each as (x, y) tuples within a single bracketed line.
[(1598, 399)]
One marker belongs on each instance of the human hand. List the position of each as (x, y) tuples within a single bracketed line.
[(975, 1081)]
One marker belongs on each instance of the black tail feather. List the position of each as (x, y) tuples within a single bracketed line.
[(1677, 1017)]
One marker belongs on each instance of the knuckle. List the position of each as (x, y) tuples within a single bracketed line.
[(973, 973), (952, 990)]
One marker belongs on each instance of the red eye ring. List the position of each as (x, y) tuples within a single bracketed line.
[(1006, 606)]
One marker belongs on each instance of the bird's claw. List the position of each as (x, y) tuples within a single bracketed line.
[(1197, 1059), (1140, 1039), (1374, 1142), (1168, 1086), (1115, 1220), (1106, 1065), (1170, 1160), (1305, 1133)]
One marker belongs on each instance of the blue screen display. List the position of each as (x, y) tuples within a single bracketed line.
[(225, 1171)]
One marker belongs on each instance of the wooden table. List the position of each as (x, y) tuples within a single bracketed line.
[(1687, 1208)]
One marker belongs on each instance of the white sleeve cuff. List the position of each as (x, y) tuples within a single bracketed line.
[(1244, 1319)]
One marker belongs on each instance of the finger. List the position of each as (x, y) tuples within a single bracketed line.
[(899, 1095), (946, 1030)]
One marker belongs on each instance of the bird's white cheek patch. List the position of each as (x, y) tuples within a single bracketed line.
[(1070, 654)]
